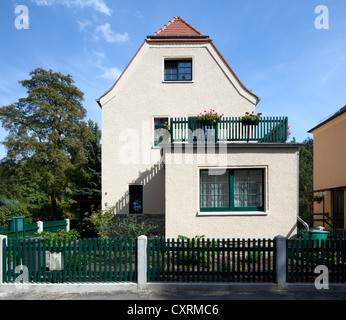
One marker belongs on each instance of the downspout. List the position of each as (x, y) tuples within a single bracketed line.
[(298, 217)]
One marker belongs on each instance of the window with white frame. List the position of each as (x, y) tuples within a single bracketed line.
[(232, 190)]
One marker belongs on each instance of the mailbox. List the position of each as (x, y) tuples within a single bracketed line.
[(16, 224)]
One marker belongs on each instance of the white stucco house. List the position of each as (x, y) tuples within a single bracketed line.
[(221, 180)]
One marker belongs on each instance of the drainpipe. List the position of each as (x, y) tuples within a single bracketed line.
[(298, 217)]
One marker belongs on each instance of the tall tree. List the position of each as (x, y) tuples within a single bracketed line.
[(87, 182), (46, 128)]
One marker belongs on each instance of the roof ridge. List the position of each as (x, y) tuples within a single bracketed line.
[(169, 23)]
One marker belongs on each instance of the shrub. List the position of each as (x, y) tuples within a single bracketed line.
[(193, 257), (130, 227), (101, 221), (61, 234), (108, 225)]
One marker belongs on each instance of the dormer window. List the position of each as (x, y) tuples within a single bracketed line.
[(178, 70)]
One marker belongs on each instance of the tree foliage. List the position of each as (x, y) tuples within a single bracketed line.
[(305, 177), (47, 133), (88, 179)]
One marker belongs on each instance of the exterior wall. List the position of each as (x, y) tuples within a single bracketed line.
[(326, 206), (182, 194), (329, 161), (330, 154), (128, 155)]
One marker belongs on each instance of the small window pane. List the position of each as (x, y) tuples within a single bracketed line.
[(214, 189), (248, 188), (171, 64), (255, 175), (161, 135)]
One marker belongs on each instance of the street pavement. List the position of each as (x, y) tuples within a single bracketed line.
[(162, 295)]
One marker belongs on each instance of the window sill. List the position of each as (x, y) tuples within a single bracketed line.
[(233, 213), (178, 81)]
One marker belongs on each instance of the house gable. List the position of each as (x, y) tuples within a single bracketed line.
[(178, 39)]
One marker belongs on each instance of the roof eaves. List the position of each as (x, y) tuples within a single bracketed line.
[(98, 100), (173, 36), (335, 115), (258, 99)]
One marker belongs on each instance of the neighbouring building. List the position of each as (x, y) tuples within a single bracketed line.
[(330, 171), (221, 180)]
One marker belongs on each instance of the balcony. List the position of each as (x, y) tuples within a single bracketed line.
[(268, 129)]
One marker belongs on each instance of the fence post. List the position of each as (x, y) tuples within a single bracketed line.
[(1, 257), (40, 226), (142, 262), (281, 261), (68, 224)]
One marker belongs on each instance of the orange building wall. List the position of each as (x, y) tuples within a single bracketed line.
[(330, 160)]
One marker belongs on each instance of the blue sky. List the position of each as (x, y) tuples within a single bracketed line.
[(272, 45)]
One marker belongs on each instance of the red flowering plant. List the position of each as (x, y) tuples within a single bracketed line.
[(288, 131), (166, 126), (209, 117), (250, 118)]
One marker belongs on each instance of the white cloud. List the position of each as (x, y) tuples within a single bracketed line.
[(83, 24), (98, 5), (138, 14), (43, 2), (110, 73), (110, 36), (97, 58)]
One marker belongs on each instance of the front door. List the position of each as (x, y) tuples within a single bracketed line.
[(338, 208)]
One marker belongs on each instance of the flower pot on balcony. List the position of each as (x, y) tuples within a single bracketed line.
[(209, 132), (249, 122)]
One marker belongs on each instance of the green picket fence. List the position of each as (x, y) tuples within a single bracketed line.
[(30, 229), (83, 260), (304, 255), (54, 226), (228, 129), (210, 260)]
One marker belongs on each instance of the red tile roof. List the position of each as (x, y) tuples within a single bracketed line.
[(177, 30), (177, 26)]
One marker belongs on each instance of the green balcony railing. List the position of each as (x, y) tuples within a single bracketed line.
[(268, 129)]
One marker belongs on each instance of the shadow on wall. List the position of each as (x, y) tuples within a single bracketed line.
[(153, 181)]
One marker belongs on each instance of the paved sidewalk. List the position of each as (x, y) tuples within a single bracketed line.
[(162, 295)]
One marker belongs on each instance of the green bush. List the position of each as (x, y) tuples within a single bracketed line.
[(129, 227), (61, 234), (101, 221), (108, 225), (86, 228), (193, 257)]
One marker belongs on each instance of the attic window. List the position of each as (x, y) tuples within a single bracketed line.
[(178, 70)]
